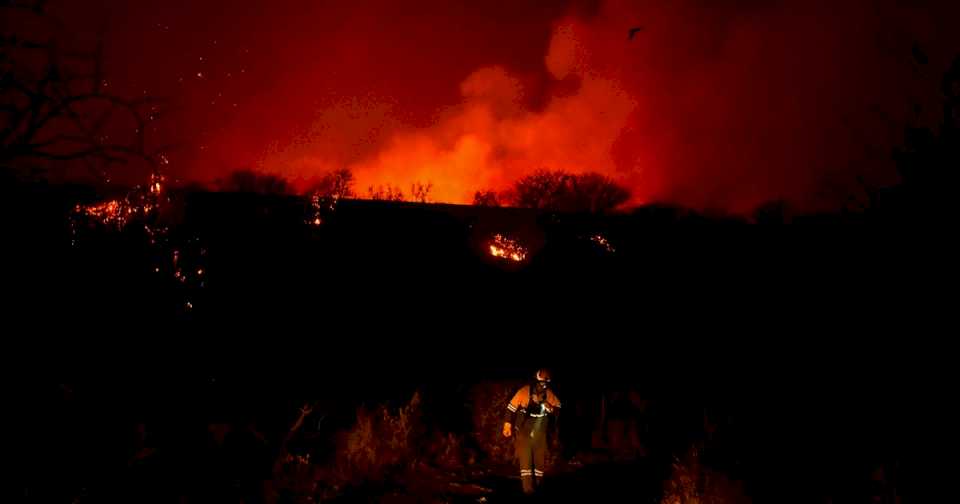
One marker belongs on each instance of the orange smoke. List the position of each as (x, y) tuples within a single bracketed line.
[(711, 105), (492, 138), (710, 109)]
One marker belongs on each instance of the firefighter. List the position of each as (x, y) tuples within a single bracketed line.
[(527, 417)]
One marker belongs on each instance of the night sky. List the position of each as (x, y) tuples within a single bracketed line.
[(710, 106)]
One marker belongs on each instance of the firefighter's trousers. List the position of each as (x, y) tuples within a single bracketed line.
[(532, 454)]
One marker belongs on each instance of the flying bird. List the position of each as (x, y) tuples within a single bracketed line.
[(633, 31)]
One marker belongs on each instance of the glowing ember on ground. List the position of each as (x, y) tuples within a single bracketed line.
[(141, 209), (320, 204), (119, 212), (506, 248), (110, 213), (603, 242)]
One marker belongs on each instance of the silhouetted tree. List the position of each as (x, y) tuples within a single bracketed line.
[(565, 192), (771, 213), (596, 193), (385, 193), (420, 192), (55, 105), (337, 184), (249, 181), (486, 198), (542, 189), (929, 161)]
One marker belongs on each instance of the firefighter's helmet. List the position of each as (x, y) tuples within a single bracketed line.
[(543, 375)]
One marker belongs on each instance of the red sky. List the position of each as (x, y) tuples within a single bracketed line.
[(709, 106)]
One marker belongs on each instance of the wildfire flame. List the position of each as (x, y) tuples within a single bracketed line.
[(505, 248)]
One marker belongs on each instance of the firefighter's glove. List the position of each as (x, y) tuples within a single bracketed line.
[(507, 429)]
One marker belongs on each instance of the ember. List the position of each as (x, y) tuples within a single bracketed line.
[(114, 213), (603, 243), (320, 204), (117, 213), (156, 183)]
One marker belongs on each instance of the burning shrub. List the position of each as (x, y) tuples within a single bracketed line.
[(508, 249)]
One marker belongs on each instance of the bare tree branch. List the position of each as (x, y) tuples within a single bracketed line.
[(61, 112)]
